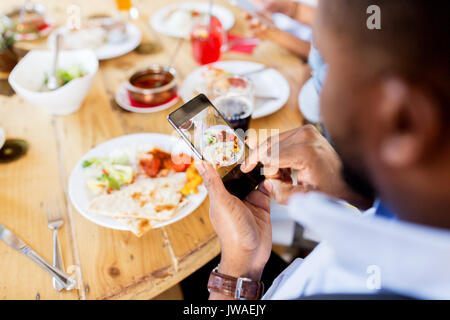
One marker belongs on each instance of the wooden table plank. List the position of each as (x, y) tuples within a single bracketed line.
[(111, 261), (25, 186)]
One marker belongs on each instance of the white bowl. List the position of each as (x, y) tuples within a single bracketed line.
[(29, 74)]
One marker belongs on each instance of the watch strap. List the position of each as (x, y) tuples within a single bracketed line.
[(238, 288)]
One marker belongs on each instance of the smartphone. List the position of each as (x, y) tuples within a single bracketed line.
[(212, 139)]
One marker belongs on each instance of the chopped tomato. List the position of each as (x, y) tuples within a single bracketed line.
[(158, 153), (150, 166), (167, 163), (181, 162)]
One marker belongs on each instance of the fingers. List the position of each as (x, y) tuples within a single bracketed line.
[(211, 179), (259, 199), (257, 28), (282, 174), (262, 153), (284, 151), (282, 191), (252, 139), (256, 24)]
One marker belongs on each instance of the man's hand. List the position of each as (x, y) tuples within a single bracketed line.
[(281, 6), (257, 28), (260, 30), (306, 150), (243, 227)]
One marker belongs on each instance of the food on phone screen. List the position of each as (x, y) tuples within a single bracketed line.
[(221, 146)]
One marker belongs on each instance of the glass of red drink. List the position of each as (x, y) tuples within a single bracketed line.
[(207, 39)]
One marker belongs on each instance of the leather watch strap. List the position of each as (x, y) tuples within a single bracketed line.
[(238, 288)]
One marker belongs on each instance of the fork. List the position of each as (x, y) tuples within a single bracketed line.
[(55, 221)]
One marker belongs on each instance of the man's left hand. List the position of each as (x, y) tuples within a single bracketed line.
[(243, 227)]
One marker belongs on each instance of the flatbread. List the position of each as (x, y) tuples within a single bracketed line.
[(144, 201), (138, 226)]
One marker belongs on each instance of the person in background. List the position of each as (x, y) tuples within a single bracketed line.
[(291, 9), (302, 12), (385, 105)]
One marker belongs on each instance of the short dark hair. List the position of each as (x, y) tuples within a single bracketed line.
[(413, 40)]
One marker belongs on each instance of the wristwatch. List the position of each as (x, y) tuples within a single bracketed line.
[(238, 288)]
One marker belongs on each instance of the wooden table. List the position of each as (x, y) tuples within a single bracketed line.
[(108, 264)]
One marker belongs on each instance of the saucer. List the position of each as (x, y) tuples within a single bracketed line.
[(123, 100)]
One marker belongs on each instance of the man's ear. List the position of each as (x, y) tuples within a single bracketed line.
[(409, 123)]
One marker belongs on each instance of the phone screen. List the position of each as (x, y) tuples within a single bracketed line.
[(210, 136)]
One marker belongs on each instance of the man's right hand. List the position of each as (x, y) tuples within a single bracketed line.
[(303, 149)]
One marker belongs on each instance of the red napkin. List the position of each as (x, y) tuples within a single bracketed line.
[(242, 48), (138, 104), (45, 25)]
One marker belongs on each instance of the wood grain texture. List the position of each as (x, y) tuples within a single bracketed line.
[(109, 264)]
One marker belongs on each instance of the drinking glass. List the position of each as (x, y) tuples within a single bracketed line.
[(126, 10), (206, 39), (234, 98)]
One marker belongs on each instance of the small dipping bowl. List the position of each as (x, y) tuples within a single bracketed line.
[(153, 86)]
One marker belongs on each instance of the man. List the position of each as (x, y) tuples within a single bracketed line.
[(385, 105)]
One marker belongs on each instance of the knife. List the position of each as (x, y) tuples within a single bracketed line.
[(66, 281)]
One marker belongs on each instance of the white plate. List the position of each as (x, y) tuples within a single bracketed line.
[(157, 21), (78, 192), (268, 83), (308, 102), (110, 49), (123, 101)]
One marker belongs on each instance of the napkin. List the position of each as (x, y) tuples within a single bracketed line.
[(246, 48)]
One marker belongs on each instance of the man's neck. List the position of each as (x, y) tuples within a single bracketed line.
[(430, 208)]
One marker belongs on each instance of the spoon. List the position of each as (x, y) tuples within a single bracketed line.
[(211, 4), (23, 10), (52, 82), (171, 59)]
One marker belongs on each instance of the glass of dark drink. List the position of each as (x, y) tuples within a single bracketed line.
[(234, 98)]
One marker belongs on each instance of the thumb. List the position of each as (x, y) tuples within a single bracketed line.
[(211, 179), (282, 191)]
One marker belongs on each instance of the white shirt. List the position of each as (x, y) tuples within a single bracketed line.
[(364, 254)]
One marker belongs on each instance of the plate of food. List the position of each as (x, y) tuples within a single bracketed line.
[(221, 147), (29, 22), (177, 20), (269, 98), (107, 37), (137, 182)]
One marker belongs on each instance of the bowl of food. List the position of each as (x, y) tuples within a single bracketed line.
[(75, 73), (153, 86), (29, 22)]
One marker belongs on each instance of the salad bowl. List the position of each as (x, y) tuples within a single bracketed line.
[(76, 67)]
